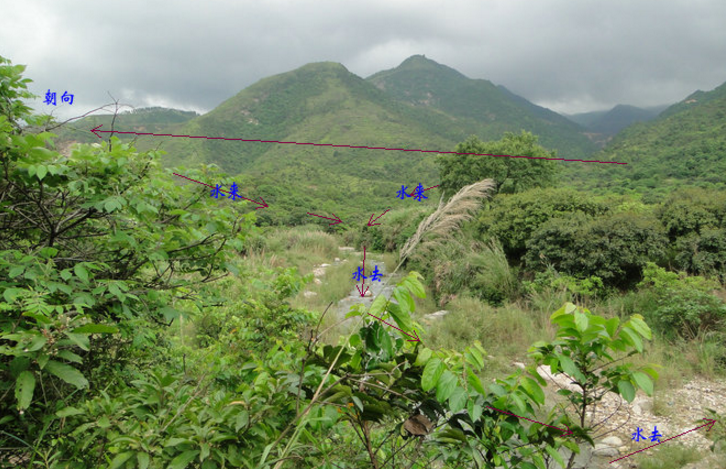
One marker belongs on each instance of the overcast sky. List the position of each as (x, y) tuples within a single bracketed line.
[(568, 55)]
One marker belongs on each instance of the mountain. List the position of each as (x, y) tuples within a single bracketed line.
[(601, 125), (425, 83), (684, 146), (325, 103)]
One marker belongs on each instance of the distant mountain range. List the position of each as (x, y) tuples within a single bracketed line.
[(602, 125), (684, 146), (418, 105)]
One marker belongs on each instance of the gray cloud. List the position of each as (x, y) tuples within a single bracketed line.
[(569, 56)]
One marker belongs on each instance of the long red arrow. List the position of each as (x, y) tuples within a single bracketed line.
[(371, 220), (567, 432), (709, 424), (412, 193), (96, 131), (360, 289), (336, 220), (261, 205), (414, 336)]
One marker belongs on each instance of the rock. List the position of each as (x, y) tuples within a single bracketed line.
[(612, 441), (324, 265), (317, 281), (519, 365), (645, 404), (636, 409), (337, 259), (345, 248), (308, 294), (368, 293), (437, 314), (604, 451)]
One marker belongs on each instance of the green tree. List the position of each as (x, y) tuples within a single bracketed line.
[(510, 174), (96, 248)]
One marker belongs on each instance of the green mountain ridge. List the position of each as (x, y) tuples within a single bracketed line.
[(684, 146), (425, 83)]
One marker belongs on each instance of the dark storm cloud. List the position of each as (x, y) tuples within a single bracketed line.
[(571, 56)]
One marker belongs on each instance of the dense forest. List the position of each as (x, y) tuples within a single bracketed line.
[(146, 324)]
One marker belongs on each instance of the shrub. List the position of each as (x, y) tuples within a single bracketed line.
[(686, 305)]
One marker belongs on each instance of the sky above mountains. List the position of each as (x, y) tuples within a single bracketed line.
[(565, 55)]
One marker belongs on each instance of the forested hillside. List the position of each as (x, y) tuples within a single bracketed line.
[(685, 146)]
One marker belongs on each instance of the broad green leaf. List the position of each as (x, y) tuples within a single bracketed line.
[(378, 306), (41, 171), (626, 390), (475, 410), (70, 356), (67, 373), (424, 354), (632, 338), (16, 271), (358, 403), (24, 387), (11, 293), (533, 389), (568, 366), (640, 326), (79, 339), (120, 459), (644, 382), (405, 301), (95, 329), (143, 459), (519, 402), (242, 420), (431, 374), (581, 321), (68, 411), (402, 318), (81, 272), (555, 455), (457, 400), (475, 382), (611, 325)]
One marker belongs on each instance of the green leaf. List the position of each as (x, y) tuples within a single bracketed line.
[(475, 382), (120, 459), (143, 460), (70, 356), (475, 411), (402, 318), (632, 338), (67, 373), (378, 306), (242, 420), (11, 293), (81, 272), (24, 387), (79, 339), (68, 411), (424, 354), (405, 301), (555, 455), (533, 389), (519, 402), (95, 329), (626, 390), (640, 326), (431, 374), (581, 322), (644, 382), (457, 400), (568, 366), (16, 271), (41, 171), (181, 461)]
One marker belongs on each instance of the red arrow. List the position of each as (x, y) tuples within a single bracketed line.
[(709, 424), (567, 432), (361, 291), (412, 193), (415, 335), (336, 220), (261, 205), (370, 220), (96, 131)]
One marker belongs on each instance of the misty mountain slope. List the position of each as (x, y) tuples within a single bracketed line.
[(608, 123), (686, 145), (425, 83)]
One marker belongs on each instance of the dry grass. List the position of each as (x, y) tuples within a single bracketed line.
[(447, 218)]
